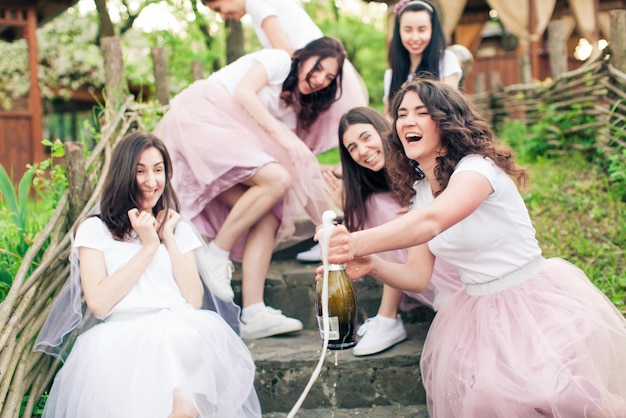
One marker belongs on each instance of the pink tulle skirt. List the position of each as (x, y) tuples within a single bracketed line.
[(214, 145), (322, 136), (551, 346)]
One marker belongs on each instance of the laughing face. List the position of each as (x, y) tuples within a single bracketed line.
[(316, 74), (417, 131), (365, 146), (150, 177)]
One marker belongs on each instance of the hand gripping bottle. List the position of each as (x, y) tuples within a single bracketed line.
[(342, 315)]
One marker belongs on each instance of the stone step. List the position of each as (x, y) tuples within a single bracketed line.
[(365, 386), (285, 365), (396, 411)]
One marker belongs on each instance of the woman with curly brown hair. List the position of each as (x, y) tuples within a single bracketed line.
[(243, 175), (529, 336)]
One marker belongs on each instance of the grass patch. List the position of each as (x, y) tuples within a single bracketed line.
[(578, 217)]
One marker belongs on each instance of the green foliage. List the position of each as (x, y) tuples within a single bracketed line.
[(577, 220), (330, 157), (617, 174), (363, 36), (562, 129), (23, 217)]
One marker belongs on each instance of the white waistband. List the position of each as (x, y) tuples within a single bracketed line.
[(129, 316), (510, 280)]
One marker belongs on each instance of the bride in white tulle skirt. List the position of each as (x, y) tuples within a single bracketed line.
[(154, 352)]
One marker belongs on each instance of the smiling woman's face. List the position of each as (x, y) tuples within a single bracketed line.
[(315, 74), (365, 146)]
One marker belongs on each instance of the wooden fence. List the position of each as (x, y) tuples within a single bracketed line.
[(596, 90)]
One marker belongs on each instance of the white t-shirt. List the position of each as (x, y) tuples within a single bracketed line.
[(496, 239), (296, 23), (156, 289), (449, 65), (277, 64)]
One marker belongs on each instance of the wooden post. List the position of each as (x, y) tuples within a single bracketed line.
[(113, 73), (557, 48), (35, 92), (197, 70), (618, 39), (527, 73), (77, 180), (534, 44), (161, 80), (494, 80), (480, 83)]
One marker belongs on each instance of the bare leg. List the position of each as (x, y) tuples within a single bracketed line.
[(267, 187), (257, 255), (182, 408), (389, 302)]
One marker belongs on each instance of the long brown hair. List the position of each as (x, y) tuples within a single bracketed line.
[(121, 191), (359, 182), (463, 131), (310, 106)]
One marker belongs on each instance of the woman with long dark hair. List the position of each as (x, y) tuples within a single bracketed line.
[(418, 49), (367, 201), (243, 175), (527, 336), (155, 352)]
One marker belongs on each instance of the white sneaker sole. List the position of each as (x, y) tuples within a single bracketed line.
[(366, 351), (268, 332)]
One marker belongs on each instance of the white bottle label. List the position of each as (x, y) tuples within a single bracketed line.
[(333, 324)]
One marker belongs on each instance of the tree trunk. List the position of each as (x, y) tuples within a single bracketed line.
[(106, 26), (234, 40)]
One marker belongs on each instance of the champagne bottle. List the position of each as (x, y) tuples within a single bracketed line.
[(341, 309)]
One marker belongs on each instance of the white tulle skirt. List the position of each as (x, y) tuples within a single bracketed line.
[(551, 346), (133, 365)]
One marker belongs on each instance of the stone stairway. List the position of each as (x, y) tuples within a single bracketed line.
[(387, 384)]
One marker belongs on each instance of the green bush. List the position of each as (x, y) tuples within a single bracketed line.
[(25, 211)]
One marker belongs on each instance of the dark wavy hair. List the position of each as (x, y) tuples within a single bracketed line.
[(121, 192), (463, 131), (398, 56), (309, 107), (359, 182)]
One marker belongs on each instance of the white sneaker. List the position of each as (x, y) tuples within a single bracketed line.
[(376, 336), (312, 255), (269, 322), (219, 272)]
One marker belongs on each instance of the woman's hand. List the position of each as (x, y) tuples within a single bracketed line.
[(145, 225), (339, 246), (169, 219), (334, 187), (293, 144), (356, 268)]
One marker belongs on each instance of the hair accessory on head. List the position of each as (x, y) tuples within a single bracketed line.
[(403, 3)]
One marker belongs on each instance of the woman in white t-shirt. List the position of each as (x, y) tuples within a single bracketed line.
[(283, 24), (155, 351), (243, 175), (418, 49), (528, 336)]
